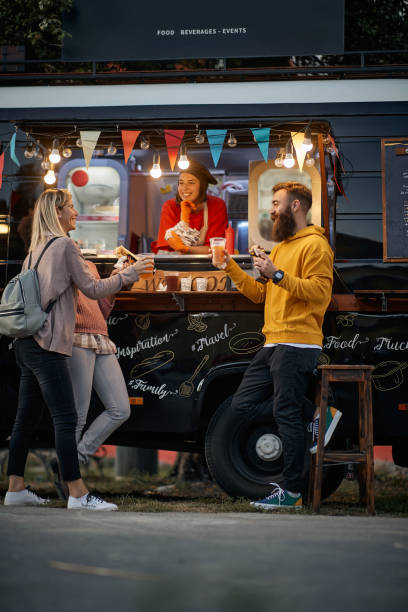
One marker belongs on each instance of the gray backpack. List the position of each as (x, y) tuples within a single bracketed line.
[(21, 314)]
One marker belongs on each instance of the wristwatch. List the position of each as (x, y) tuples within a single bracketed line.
[(277, 277)]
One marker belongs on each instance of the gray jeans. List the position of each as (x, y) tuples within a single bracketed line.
[(103, 373)]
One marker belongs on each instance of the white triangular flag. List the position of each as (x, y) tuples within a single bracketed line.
[(89, 140), (297, 139)]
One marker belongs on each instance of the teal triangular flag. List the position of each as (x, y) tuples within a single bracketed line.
[(13, 150), (216, 141), (261, 136)]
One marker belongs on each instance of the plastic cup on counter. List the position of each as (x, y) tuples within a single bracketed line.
[(171, 281), (201, 284), (149, 272), (185, 283), (218, 247)]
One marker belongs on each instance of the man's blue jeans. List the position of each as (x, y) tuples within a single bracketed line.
[(282, 372)]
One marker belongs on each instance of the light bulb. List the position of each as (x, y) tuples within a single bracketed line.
[(200, 138), (232, 141), (307, 144), (55, 156), (29, 151), (111, 150), (183, 162), (66, 152), (145, 143), (289, 160), (310, 161), (45, 164), (78, 142), (279, 158), (38, 153), (50, 177), (155, 171)]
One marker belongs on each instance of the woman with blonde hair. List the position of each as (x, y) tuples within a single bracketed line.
[(44, 357)]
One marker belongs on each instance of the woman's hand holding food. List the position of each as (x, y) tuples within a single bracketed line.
[(132, 272), (177, 244)]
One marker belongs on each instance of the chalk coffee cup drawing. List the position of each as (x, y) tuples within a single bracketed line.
[(388, 375), (185, 283), (171, 281)]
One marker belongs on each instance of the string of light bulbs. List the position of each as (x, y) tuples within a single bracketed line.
[(285, 156)]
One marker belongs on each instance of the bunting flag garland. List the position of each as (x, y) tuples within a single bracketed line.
[(173, 141), (1, 168), (129, 138), (13, 150), (89, 140), (261, 136), (216, 141), (297, 139)]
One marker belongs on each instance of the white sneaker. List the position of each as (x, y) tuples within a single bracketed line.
[(89, 502), (27, 497)]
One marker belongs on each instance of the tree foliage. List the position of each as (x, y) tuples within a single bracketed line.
[(376, 24), (37, 24)]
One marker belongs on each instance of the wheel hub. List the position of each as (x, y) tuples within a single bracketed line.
[(268, 447)]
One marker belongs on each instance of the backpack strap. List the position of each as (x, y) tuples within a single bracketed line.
[(43, 251), (51, 304)]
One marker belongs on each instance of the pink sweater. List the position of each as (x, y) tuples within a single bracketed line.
[(61, 271), (92, 314)]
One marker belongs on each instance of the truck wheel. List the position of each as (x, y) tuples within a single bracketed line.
[(244, 457), (400, 453)]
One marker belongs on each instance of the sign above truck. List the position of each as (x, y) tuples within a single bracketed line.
[(102, 30)]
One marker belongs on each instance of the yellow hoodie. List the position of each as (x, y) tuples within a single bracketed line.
[(294, 308)]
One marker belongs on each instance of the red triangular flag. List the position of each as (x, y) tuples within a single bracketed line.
[(1, 168), (129, 138), (173, 142)]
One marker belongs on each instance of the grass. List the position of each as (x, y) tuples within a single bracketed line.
[(160, 493)]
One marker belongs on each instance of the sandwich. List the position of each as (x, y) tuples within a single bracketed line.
[(120, 251), (124, 256)]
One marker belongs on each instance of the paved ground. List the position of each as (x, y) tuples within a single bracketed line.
[(52, 559)]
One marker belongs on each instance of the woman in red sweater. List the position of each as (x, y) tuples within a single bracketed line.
[(189, 220)]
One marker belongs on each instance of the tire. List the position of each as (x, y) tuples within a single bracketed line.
[(244, 457)]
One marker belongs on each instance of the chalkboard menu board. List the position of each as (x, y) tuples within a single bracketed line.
[(394, 152)]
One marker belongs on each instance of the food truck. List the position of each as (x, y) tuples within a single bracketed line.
[(183, 353)]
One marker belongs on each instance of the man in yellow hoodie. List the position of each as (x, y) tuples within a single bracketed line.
[(298, 291)]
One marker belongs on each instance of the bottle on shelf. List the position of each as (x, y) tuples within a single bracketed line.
[(229, 239)]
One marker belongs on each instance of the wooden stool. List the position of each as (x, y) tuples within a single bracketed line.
[(360, 374)]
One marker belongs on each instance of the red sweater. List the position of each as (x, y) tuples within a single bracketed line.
[(170, 215), (92, 314)]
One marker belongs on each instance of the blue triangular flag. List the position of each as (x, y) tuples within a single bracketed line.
[(13, 150), (216, 141), (261, 136)]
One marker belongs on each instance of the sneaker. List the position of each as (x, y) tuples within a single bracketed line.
[(333, 416), (59, 484), (27, 497), (279, 498), (89, 501)]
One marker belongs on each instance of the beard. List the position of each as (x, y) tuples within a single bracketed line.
[(283, 226)]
